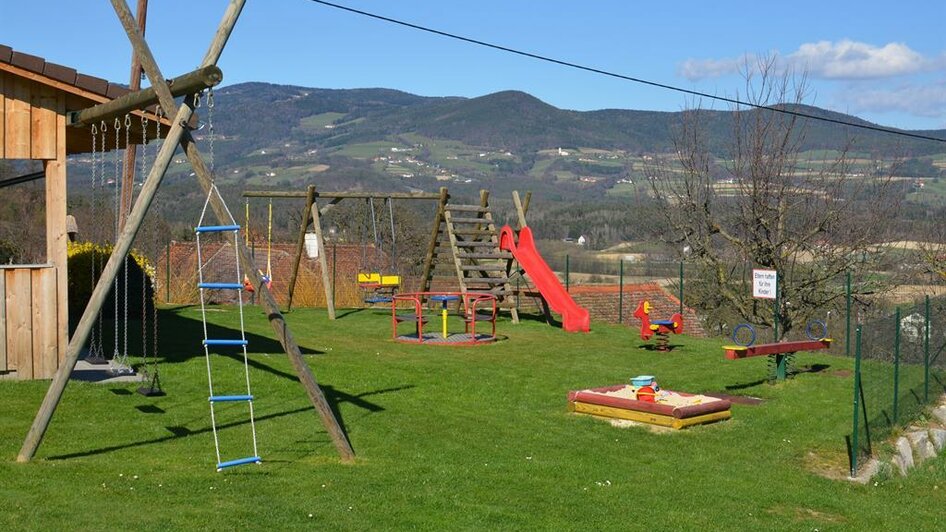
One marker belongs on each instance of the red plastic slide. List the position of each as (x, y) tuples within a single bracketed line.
[(574, 317)]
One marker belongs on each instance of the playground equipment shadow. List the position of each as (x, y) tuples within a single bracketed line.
[(477, 438)]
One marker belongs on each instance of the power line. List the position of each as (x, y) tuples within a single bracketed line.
[(624, 77)]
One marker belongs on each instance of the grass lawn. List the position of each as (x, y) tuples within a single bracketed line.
[(448, 438)]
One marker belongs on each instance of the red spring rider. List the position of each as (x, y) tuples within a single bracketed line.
[(661, 328)]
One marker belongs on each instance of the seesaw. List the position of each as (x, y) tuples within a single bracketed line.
[(781, 351)]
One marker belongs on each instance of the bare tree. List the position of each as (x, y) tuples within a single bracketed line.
[(764, 205)]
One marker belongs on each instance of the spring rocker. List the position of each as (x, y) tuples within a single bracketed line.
[(659, 328)]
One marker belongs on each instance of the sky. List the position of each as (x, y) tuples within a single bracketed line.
[(882, 61)]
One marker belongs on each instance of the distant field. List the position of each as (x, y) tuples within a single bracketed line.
[(368, 149), (318, 122)]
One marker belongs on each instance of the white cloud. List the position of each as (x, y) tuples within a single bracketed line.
[(697, 69), (856, 60), (845, 59), (927, 100)]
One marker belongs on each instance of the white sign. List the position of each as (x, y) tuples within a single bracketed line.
[(764, 283)]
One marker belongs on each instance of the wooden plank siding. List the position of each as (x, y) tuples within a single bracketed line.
[(19, 322), (3, 322), (17, 111), (30, 335), (3, 114), (45, 334), (43, 106), (29, 119)]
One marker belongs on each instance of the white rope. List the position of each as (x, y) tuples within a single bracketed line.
[(203, 302)]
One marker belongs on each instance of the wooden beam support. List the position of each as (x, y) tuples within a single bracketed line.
[(204, 177), (444, 196), (520, 209), (343, 195), (190, 83), (324, 210), (300, 244), (134, 84), (26, 178), (323, 260), (115, 261)]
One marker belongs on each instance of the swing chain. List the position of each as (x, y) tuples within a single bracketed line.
[(144, 147), (93, 341), (157, 125), (210, 124)]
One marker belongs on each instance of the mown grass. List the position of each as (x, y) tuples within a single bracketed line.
[(449, 438)]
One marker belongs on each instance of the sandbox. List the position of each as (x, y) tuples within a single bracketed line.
[(670, 409)]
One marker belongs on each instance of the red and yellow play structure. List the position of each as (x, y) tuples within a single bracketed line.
[(659, 328)]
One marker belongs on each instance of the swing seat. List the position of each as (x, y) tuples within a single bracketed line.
[(374, 280)]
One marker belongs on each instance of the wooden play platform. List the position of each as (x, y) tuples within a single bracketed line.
[(676, 410)]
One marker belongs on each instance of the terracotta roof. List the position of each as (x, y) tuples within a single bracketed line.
[(60, 73)]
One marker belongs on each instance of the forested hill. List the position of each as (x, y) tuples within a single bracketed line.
[(267, 115)]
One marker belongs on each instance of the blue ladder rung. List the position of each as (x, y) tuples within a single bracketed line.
[(225, 342), (216, 228), (239, 461), (221, 286), (229, 398)]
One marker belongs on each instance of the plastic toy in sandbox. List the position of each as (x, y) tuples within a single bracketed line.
[(644, 401), (661, 329)]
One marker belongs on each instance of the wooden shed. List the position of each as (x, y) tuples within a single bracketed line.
[(36, 98)]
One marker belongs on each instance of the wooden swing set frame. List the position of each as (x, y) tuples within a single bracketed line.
[(312, 215), (178, 135)]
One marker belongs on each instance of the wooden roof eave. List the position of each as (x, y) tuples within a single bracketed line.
[(79, 139)]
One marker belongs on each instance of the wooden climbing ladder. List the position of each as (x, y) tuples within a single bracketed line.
[(464, 246)]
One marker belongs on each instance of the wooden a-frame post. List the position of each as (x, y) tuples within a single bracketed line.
[(300, 244), (177, 134)]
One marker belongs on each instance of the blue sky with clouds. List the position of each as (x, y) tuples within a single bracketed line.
[(883, 61)]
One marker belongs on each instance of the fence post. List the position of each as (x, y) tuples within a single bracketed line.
[(847, 333), (334, 256), (621, 292), (926, 352), (775, 317), (857, 389), (896, 364), (167, 273), (566, 274), (681, 287)]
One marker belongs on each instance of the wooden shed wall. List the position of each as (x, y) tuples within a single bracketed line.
[(35, 317), (29, 336), (29, 114)]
